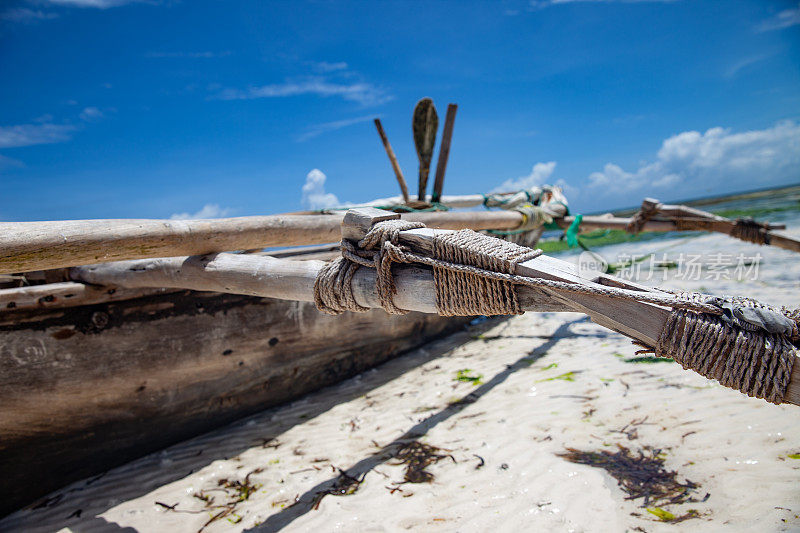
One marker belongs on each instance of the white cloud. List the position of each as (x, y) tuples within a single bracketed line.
[(30, 134), (361, 92), (189, 55), (8, 162), (314, 195), (717, 158), (324, 66), (784, 19), (91, 113), (325, 127), (22, 14), (546, 3), (99, 4), (539, 175), (743, 63), (208, 211)]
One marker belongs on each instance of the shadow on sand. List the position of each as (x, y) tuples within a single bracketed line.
[(308, 501), (79, 505)]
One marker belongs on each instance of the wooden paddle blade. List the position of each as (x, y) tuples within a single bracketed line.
[(424, 125)]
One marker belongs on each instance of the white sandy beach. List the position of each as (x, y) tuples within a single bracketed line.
[(546, 382)]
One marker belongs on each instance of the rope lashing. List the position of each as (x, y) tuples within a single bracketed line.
[(741, 343), (757, 364), (460, 291), (533, 217), (749, 230), (745, 229), (333, 292), (640, 218), (748, 347), (506, 201), (330, 279), (387, 232), (464, 293)]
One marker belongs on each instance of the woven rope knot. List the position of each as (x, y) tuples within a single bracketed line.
[(533, 217), (749, 230), (524, 196), (758, 364), (463, 263), (333, 291), (741, 343), (640, 218), (468, 291)]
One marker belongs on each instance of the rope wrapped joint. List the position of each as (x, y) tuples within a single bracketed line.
[(648, 210), (333, 292), (463, 263), (749, 230), (745, 229), (758, 364), (741, 343)]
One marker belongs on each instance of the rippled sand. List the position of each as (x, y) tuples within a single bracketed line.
[(545, 382)]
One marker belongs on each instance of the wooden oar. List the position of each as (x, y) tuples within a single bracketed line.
[(393, 159), (424, 125), (444, 151), (294, 280)]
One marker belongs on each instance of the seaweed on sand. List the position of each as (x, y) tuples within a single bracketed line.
[(640, 475), (343, 485), (417, 456), (414, 454), (234, 493)]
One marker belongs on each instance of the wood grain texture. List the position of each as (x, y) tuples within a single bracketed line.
[(282, 279), (95, 386), (64, 295), (28, 246)]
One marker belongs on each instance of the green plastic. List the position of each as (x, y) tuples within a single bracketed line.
[(572, 231)]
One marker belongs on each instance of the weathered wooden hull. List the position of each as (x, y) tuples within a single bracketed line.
[(90, 387)]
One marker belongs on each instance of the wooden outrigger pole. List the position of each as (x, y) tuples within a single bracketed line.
[(29, 246), (669, 218), (295, 280), (725, 226)]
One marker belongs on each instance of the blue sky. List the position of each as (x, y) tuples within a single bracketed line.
[(149, 109)]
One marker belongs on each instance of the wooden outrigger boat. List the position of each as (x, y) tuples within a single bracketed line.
[(93, 380), (131, 335), (95, 375)]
